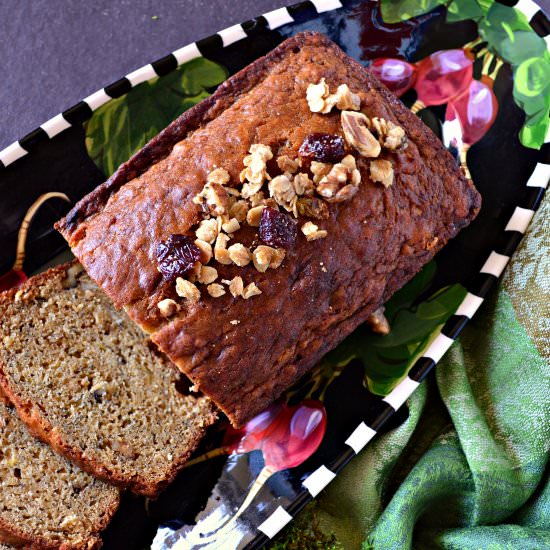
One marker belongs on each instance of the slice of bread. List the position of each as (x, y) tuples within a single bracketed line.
[(84, 379), (45, 500)]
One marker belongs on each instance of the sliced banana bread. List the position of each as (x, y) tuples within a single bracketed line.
[(45, 501), (84, 379)]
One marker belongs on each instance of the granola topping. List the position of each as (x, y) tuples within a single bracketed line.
[(312, 232), (382, 171), (239, 254), (320, 100), (286, 164), (187, 290), (215, 290), (168, 307), (207, 275), (250, 291), (205, 251), (213, 199), (265, 257), (236, 286), (207, 230)]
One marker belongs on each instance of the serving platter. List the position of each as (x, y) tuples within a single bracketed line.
[(477, 72)]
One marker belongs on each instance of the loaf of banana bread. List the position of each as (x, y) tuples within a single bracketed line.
[(264, 225)]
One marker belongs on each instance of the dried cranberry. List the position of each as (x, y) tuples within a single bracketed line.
[(323, 148), (176, 256), (277, 228)]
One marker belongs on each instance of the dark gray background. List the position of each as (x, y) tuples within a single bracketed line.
[(55, 52)]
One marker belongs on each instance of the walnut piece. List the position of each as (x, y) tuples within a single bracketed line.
[(239, 254), (207, 275), (382, 171), (265, 257), (168, 307), (187, 290), (319, 169), (320, 100), (235, 286), (357, 134), (207, 230), (254, 215), (238, 210), (312, 232), (215, 290), (336, 186), (389, 134), (251, 290), (220, 249), (205, 250), (231, 226), (303, 185), (213, 198)]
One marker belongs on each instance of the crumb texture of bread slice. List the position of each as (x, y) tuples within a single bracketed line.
[(85, 380), (45, 500)]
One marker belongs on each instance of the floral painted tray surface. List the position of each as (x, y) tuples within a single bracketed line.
[(477, 72)]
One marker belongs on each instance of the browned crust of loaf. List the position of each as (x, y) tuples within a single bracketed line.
[(43, 430), (171, 339)]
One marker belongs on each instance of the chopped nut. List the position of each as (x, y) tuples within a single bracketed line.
[(251, 290), (389, 134), (220, 250), (213, 198), (207, 231), (378, 322), (238, 210), (231, 226), (320, 100), (250, 189), (215, 290), (382, 171), (254, 215), (319, 169), (234, 322), (282, 190), (255, 172), (316, 95), (346, 99), (168, 307), (219, 175), (312, 232), (235, 286), (239, 254), (312, 208), (207, 275), (278, 257), (187, 290), (349, 162), (286, 164), (328, 189), (303, 184), (262, 257), (257, 199), (355, 127), (205, 250), (233, 192), (346, 193), (355, 177)]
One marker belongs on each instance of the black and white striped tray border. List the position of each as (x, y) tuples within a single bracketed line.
[(487, 277)]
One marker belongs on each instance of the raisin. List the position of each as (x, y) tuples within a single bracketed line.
[(323, 148), (277, 228), (176, 256)]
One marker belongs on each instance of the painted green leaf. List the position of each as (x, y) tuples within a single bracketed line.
[(387, 359), (509, 34), (534, 131), (119, 128), (459, 10), (394, 11)]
